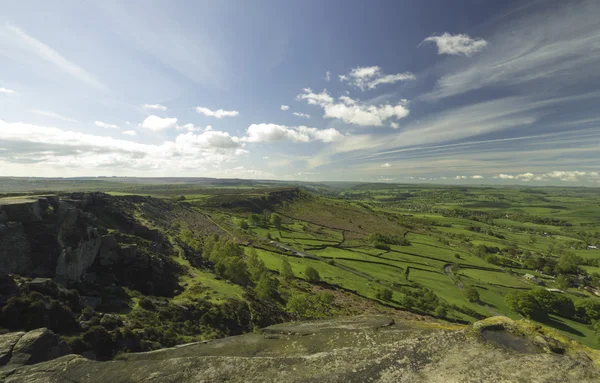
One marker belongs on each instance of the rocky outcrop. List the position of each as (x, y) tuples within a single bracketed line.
[(7, 344), (36, 346), (356, 349)]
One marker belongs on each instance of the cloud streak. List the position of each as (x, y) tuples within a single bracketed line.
[(30, 44)]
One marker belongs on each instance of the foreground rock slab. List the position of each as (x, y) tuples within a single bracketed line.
[(357, 349)]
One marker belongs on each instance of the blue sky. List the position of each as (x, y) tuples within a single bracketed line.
[(464, 92)]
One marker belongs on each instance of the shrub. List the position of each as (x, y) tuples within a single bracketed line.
[(147, 304)]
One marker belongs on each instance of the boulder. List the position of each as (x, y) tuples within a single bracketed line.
[(7, 343), (15, 248), (38, 346)]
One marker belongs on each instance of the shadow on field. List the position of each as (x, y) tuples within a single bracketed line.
[(562, 326)]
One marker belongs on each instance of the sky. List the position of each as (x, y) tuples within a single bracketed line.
[(463, 92)]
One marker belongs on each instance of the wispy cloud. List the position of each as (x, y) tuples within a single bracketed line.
[(7, 91), (28, 43), (327, 76), (556, 47), (219, 113), (284, 107), (303, 115), (155, 107), (386, 165), (105, 125), (130, 133), (50, 114), (369, 77), (460, 44)]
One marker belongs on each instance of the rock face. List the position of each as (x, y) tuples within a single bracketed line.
[(357, 349), (15, 249), (36, 346)]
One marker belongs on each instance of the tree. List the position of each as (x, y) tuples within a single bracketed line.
[(312, 275), (266, 287), (276, 221), (563, 282), (567, 264), (524, 303), (286, 270), (555, 303), (384, 294), (255, 219), (244, 225), (471, 293), (256, 267)]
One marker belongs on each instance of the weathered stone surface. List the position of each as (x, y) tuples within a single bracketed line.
[(7, 343), (358, 349), (15, 249), (38, 346)]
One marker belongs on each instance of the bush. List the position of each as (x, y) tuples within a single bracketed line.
[(100, 341), (441, 311), (286, 270), (147, 304)]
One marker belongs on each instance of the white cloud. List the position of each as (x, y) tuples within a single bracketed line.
[(460, 177), (460, 44), (301, 115), (130, 133), (560, 175), (327, 76), (44, 146), (210, 139), (7, 91), (273, 132), (105, 125), (369, 77), (386, 165), (477, 177), (394, 125), (155, 106), (354, 111), (57, 116), (43, 51), (156, 123), (284, 107), (220, 113)]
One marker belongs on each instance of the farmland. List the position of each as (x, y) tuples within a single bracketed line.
[(440, 240)]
